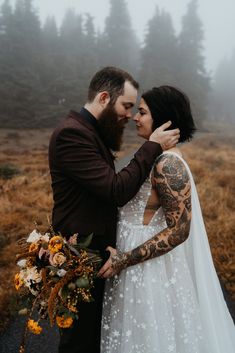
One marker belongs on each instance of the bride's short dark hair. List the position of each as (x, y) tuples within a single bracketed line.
[(169, 103)]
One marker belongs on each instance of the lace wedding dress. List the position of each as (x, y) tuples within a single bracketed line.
[(170, 304)]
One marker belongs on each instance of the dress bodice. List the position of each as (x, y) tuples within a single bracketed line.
[(131, 217)]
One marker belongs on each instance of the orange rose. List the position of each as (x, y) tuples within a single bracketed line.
[(58, 259)]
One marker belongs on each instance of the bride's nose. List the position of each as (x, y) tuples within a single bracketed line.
[(135, 118)]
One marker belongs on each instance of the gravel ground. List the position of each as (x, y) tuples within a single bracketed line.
[(47, 342)]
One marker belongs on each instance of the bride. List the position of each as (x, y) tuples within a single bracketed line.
[(172, 302)]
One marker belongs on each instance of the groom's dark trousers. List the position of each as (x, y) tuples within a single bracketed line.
[(87, 192)]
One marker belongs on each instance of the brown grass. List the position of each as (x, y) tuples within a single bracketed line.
[(27, 198), (212, 161)]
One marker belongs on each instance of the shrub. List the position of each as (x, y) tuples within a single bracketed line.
[(8, 171)]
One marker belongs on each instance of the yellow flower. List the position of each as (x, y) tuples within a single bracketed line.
[(55, 244), (72, 308), (64, 322), (33, 247), (34, 327), (18, 281)]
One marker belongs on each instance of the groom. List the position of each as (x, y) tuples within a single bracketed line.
[(86, 189)]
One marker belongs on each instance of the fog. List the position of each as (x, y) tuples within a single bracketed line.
[(48, 54), (218, 19)]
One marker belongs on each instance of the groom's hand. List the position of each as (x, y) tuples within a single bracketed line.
[(167, 139), (114, 265)]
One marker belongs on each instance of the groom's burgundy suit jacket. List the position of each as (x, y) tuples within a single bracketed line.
[(86, 189)]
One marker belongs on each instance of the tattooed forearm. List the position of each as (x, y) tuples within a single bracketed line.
[(119, 261), (173, 187)]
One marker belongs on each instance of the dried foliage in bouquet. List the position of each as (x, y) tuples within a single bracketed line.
[(55, 275)]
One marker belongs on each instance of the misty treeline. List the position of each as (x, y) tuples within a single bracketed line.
[(45, 70), (222, 97)]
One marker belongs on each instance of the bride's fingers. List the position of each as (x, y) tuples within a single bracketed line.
[(108, 273), (111, 250), (104, 268)]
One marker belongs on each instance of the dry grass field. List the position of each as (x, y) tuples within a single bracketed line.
[(26, 198)]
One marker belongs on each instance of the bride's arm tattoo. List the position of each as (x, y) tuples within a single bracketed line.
[(173, 187)]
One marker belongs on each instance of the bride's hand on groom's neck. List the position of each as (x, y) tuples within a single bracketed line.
[(167, 139)]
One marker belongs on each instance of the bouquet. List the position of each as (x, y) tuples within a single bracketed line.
[(55, 275)]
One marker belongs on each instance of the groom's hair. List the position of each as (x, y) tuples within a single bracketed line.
[(112, 80), (169, 103)]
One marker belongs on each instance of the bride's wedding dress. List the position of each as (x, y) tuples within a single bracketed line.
[(170, 304)]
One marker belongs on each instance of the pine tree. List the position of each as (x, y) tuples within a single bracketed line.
[(27, 33), (72, 82), (193, 78), (119, 44), (5, 19), (159, 54), (50, 72), (21, 87), (90, 47), (72, 37), (5, 58), (30, 90), (50, 50), (222, 101)]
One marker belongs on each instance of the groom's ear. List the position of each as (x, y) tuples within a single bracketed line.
[(103, 98)]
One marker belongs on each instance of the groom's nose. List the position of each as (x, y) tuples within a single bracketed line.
[(129, 114)]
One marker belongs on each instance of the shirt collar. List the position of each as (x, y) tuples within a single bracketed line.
[(89, 117)]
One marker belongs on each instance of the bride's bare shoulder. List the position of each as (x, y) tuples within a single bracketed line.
[(170, 168)]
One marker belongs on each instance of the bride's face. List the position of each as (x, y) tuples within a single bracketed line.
[(143, 120)]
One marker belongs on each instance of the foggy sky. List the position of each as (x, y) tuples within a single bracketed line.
[(218, 19)]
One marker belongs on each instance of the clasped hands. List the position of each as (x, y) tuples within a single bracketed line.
[(116, 262)]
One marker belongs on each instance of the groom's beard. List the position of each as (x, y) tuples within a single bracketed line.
[(111, 128)]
